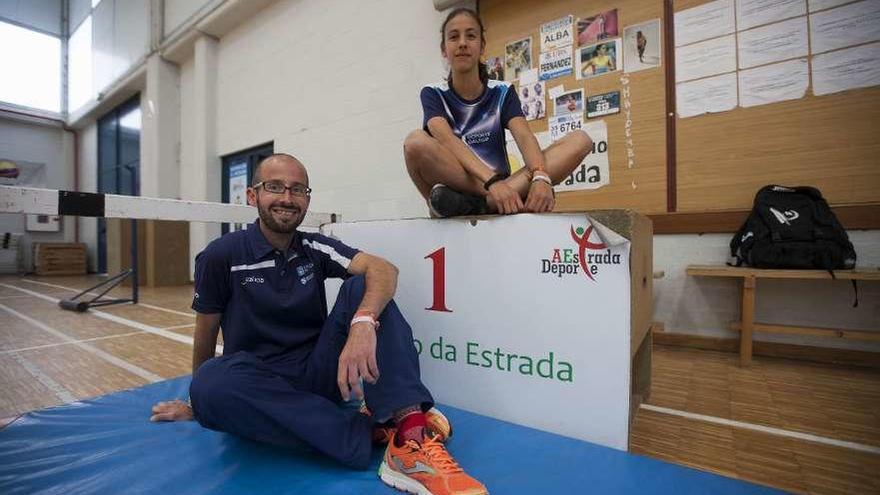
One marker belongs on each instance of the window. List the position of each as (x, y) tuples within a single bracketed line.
[(79, 68), (31, 63), (119, 150)]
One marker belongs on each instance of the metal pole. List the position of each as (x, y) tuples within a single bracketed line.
[(134, 262), (134, 242)]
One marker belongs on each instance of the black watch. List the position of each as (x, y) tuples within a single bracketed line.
[(495, 178)]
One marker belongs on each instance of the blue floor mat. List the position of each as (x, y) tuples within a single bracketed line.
[(107, 446)]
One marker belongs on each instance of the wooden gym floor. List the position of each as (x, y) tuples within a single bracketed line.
[(801, 427)]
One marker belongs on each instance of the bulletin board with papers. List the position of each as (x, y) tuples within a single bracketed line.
[(578, 63), (766, 91), (776, 92)]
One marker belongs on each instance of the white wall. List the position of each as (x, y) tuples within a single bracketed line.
[(178, 11), (704, 306), (335, 83), (160, 130), (88, 182), (51, 146)]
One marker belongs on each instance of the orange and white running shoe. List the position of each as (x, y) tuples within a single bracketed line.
[(426, 469), (437, 424)]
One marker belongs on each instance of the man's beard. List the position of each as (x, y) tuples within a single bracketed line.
[(275, 226)]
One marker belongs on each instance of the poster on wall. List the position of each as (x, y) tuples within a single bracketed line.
[(852, 68), (21, 173), (596, 60), (773, 83), (531, 96), (603, 104), (495, 68), (9, 170), (825, 4), (845, 26), (709, 20), (557, 34), (706, 58), (710, 95), (641, 46), (238, 188), (517, 58), (569, 102), (751, 13), (593, 172), (773, 43), (597, 28), (555, 63)]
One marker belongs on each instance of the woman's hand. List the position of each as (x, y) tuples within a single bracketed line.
[(540, 198), (507, 201)]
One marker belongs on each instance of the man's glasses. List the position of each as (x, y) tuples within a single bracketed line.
[(278, 187)]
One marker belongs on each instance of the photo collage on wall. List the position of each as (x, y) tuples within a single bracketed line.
[(585, 47), (553, 66)]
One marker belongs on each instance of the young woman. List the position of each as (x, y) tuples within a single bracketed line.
[(458, 160)]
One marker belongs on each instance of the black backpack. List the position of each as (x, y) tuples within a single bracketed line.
[(792, 227)]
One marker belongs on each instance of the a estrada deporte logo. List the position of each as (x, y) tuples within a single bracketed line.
[(586, 256)]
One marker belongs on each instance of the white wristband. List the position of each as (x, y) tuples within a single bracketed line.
[(543, 178), (368, 319)]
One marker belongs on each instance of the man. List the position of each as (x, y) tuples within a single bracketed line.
[(287, 365)]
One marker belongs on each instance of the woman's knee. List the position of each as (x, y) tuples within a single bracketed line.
[(415, 146), (581, 141)]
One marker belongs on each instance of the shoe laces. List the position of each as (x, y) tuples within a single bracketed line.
[(434, 450)]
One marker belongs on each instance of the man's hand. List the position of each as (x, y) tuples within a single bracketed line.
[(540, 198), (175, 410), (507, 201), (357, 360)]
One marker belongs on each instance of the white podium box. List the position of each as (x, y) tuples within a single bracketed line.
[(532, 319)]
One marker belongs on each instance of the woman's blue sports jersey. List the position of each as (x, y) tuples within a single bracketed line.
[(479, 123)]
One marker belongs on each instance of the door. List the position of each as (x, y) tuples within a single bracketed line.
[(238, 172), (119, 160)]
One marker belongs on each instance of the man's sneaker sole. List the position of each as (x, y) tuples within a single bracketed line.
[(406, 484), (401, 481)]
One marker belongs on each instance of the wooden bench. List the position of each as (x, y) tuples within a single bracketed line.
[(747, 325)]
